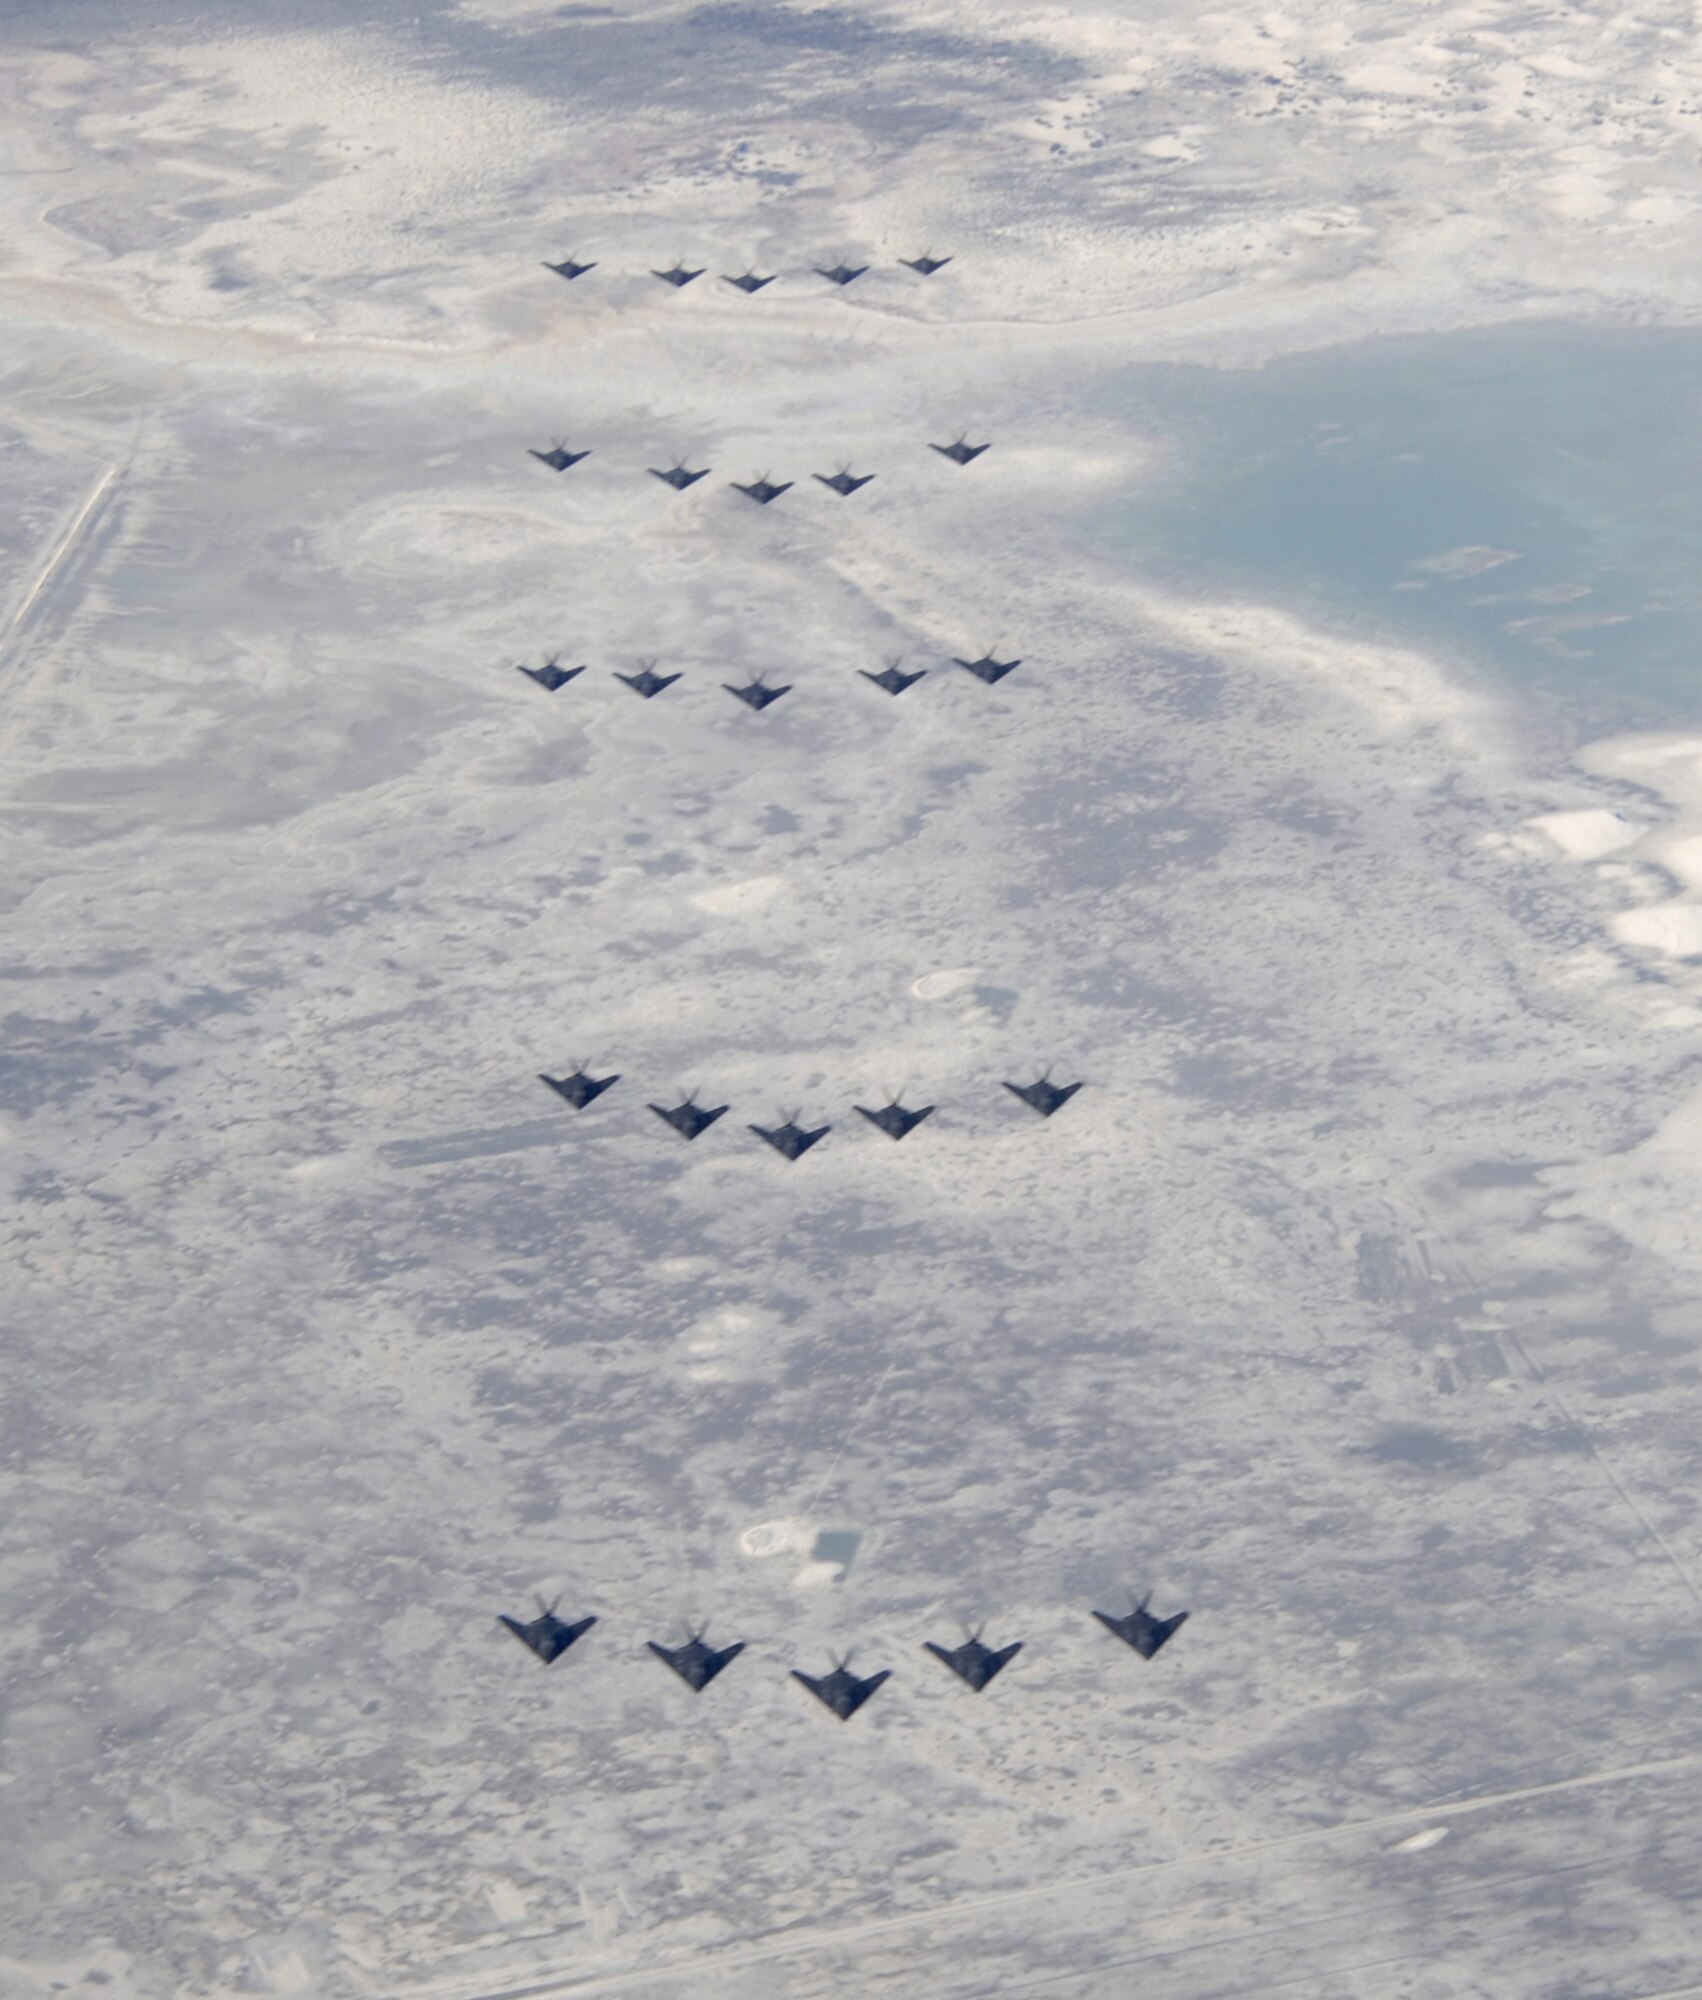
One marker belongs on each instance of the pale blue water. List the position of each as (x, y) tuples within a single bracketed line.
[(1341, 482)]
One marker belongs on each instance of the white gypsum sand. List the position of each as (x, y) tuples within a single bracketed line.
[(1352, 1301)]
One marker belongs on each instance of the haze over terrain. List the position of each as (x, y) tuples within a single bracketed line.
[(1352, 1302)]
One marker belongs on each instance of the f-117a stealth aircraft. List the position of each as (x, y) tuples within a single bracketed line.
[(891, 679), (1141, 1630), (748, 282), (688, 1118), (973, 1662), (842, 273), (679, 277), (958, 452), (843, 482), (546, 1635), (841, 1690), (559, 458), (677, 476), (756, 694), (925, 264), (1043, 1095), (893, 1119), (647, 682), (579, 1089), (568, 269), (987, 668), (790, 1140), (550, 675), (763, 489), (696, 1662)]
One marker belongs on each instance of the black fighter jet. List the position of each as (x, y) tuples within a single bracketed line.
[(987, 668), (925, 264), (580, 1088), (891, 679), (568, 269), (842, 273), (551, 676), (688, 1118), (841, 1690), (1141, 1630), (958, 452), (843, 482), (677, 476), (756, 694), (547, 1635), (973, 1662), (558, 459), (678, 277), (748, 282), (647, 682), (1043, 1095), (893, 1119), (696, 1662), (762, 489), (790, 1139)]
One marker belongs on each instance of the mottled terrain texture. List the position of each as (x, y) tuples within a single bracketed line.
[(1352, 1302)]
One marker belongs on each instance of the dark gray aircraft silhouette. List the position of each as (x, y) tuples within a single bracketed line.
[(841, 1690), (973, 1662), (755, 694), (1043, 1095), (696, 1662), (842, 273), (688, 1118), (677, 476), (843, 482), (762, 489), (790, 1139), (891, 679), (559, 459), (748, 282), (546, 1635), (678, 277), (958, 452), (568, 269), (987, 668), (893, 1119), (550, 676), (647, 682), (580, 1089), (925, 264), (1141, 1630)]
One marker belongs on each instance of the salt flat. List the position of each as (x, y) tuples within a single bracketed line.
[(1351, 1304)]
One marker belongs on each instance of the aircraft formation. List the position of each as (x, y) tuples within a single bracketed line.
[(763, 490), (679, 274), (694, 1660), (756, 693), (788, 1138), (697, 1663)]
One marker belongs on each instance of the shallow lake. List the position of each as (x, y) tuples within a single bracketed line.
[(1526, 500)]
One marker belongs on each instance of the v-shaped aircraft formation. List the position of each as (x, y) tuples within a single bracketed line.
[(788, 1138), (747, 281), (697, 1663)]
